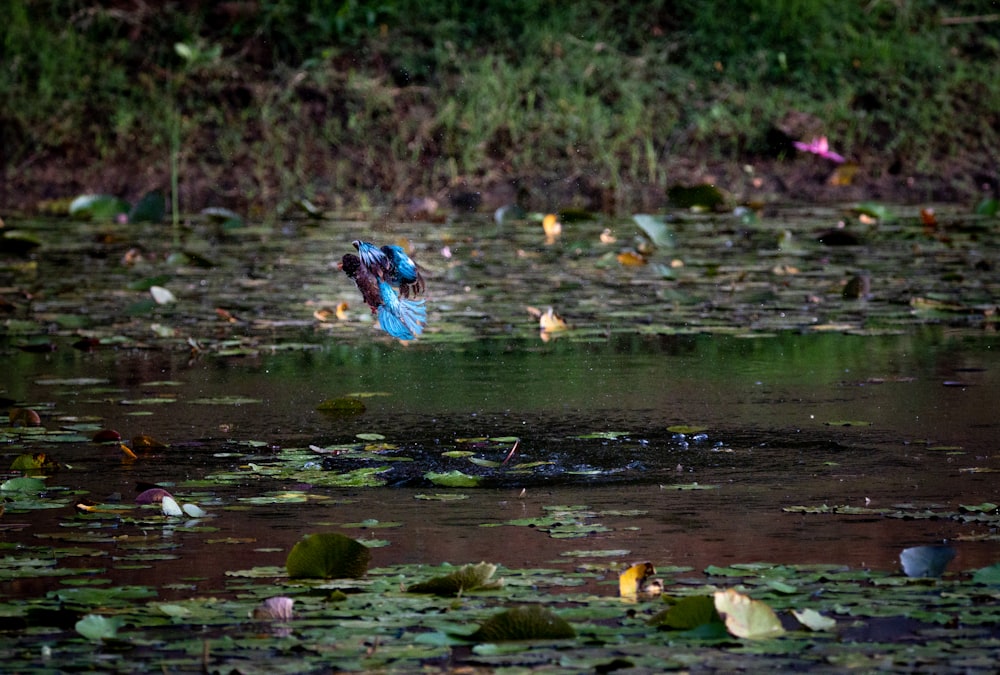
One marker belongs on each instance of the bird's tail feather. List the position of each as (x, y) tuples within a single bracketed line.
[(393, 325), (401, 318), (414, 315)]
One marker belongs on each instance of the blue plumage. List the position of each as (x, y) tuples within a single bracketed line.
[(375, 270), (400, 317), (390, 263)]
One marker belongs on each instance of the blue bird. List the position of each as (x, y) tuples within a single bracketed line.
[(390, 263), (401, 318)]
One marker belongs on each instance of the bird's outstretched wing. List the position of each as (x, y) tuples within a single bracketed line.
[(403, 271)]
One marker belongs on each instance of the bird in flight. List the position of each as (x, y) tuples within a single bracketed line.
[(390, 263), (400, 317)]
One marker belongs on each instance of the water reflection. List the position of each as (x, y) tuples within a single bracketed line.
[(791, 420)]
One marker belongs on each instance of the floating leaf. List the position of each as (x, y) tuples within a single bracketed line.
[(552, 228), (327, 555), (686, 429), (228, 219), (24, 417), (989, 206), (631, 259), (98, 207), (466, 578), (988, 575), (33, 463), (695, 197), (18, 243), (687, 613), (161, 295), (656, 228), (150, 209), (524, 623), (144, 442), (873, 210), (96, 627), (550, 322), (25, 485), (346, 405), (170, 507), (631, 581), (926, 561), (194, 511), (453, 479), (813, 620), (745, 617)]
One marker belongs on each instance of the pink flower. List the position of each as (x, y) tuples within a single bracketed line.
[(274, 609), (820, 146)]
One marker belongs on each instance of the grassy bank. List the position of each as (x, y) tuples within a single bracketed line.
[(361, 102)]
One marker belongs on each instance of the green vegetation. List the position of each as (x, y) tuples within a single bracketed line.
[(261, 103)]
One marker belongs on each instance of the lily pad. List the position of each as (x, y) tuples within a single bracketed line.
[(687, 613), (464, 579), (96, 627), (327, 555), (98, 207), (745, 617), (524, 623), (453, 479)]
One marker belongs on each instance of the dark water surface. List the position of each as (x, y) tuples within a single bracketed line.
[(923, 409), (805, 398)]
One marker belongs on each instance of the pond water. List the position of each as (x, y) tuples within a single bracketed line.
[(883, 409)]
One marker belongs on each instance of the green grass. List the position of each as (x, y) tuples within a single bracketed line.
[(397, 97)]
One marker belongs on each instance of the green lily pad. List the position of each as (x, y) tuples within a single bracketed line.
[(466, 578), (524, 623), (24, 485), (453, 479), (150, 209), (96, 627), (98, 207), (656, 228), (327, 555), (346, 405), (687, 613)]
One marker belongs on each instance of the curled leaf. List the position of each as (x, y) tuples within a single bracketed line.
[(466, 578), (813, 620), (170, 507), (107, 436), (327, 555), (745, 617), (632, 580), (194, 511), (552, 228), (24, 417)]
